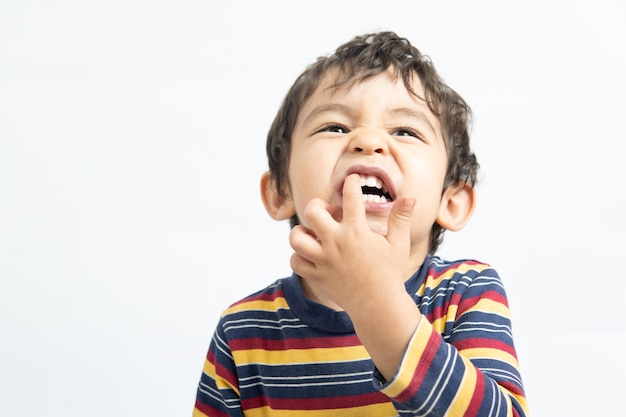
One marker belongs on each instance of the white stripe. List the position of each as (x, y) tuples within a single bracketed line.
[(359, 374)]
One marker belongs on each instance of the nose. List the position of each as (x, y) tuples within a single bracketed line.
[(369, 142)]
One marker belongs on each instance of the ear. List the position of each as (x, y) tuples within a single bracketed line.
[(277, 206), (457, 206)]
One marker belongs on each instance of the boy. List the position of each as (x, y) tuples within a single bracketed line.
[(369, 158)]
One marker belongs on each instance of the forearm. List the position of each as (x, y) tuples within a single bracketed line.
[(385, 328)]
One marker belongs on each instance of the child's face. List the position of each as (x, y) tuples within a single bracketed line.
[(384, 133)]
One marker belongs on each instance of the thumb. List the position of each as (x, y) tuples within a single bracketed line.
[(398, 225)]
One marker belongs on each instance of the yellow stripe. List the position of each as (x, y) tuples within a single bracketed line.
[(209, 369), (373, 410), (452, 309), (490, 306), (432, 282), (293, 356), (463, 397), (198, 413), (440, 324), (485, 304), (412, 356), (262, 305), (520, 398), (490, 353)]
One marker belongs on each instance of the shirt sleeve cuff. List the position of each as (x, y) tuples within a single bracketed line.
[(410, 361)]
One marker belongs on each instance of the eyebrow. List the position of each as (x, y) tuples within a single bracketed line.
[(404, 111), (327, 108)]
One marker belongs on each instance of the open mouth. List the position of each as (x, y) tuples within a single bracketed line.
[(374, 189)]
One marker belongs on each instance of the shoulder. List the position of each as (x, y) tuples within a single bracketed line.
[(440, 268), (451, 289), (264, 314), (469, 271), (464, 276), (270, 298), (467, 277)]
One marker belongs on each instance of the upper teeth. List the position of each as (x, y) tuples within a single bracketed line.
[(371, 181), (375, 182)]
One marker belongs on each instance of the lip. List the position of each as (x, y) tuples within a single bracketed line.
[(370, 170)]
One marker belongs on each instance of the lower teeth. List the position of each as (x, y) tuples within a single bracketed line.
[(374, 198)]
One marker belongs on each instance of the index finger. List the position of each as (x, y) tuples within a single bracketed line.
[(353, 207)]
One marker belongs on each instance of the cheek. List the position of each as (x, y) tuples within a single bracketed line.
[(302, 184), (427, 187), (311, 167)]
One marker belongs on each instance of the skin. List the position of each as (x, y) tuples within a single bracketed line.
[(355, 255)]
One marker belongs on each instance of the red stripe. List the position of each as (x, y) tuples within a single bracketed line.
[(318, 403), (210, 411), (454, 267), (477, 342), (435, 314), (222, 371), (278, 293), (468, 303), (513, 388), (293, 343)]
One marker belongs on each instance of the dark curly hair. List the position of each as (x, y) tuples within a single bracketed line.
[(363, 57)]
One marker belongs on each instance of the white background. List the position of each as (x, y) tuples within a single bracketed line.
[(132, 138)]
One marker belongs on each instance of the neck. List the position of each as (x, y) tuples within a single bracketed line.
[(318, 296)]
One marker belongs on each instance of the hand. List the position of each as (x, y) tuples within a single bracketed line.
[(349, 263)]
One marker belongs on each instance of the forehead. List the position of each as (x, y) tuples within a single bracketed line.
[(338, 82)]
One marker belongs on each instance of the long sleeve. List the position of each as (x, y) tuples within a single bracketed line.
[(218, 390), (461, 360)]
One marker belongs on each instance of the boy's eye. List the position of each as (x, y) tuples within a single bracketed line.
[(334, 128), (407, 132)]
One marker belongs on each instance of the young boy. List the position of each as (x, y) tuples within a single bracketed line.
[(369, 158)]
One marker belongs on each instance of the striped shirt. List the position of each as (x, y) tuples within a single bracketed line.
[(276, 353)]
